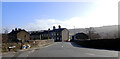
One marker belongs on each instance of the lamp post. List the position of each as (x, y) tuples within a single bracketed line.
[(74, 32), (48, 33)]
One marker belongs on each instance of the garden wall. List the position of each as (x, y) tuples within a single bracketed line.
[(33, 43), (113, 44), (41, 42)]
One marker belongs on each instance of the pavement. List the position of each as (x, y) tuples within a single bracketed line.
[(64, 49)]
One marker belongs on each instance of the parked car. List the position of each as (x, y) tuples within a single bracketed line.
[(68, 40)]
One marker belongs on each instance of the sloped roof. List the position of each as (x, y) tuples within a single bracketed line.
[(17, 31), (58, 30), (46, 31)]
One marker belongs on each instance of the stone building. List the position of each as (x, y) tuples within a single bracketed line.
[(56, 34), (19, 35)]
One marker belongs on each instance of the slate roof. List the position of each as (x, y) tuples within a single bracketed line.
[(46, 31), (15, 32), (58, 30)]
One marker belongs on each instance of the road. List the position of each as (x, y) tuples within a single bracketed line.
[(65, 49)]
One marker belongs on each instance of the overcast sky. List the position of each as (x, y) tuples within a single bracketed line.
[(44, 15)]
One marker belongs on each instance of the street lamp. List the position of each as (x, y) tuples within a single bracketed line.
[(74, 32), (48, 33)]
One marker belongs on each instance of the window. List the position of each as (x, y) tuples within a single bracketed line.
[(57, 34)]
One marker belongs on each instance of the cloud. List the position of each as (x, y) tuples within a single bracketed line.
[(42, 24), (91, 21), (105, 14)]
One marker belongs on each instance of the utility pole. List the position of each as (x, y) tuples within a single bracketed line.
[(48, 33), (74, 32)]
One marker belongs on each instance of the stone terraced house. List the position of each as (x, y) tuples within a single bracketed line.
[(18, 35), (60, 34)]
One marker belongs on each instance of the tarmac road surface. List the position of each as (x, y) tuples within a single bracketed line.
[(66, 49)]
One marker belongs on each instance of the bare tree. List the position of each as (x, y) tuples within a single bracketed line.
[(89, 32), (5, 30), (95, 36), (115, 34), (92, 33)]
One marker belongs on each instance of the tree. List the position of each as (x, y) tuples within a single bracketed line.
[(92, 33), (5, 30)]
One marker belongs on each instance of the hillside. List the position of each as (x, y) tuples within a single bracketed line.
[(104, 31)]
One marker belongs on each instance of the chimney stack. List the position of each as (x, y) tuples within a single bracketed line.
[(48, 28), (53, 27), (59, 27), (19, 29), (15, 29), (12, 30)]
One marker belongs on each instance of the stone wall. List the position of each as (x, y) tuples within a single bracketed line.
[(41, 42), (33, 43), (6, 45), (112, 44)]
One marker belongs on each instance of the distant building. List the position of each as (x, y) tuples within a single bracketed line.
[(80, 36), (18, 35), (56, 34)]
